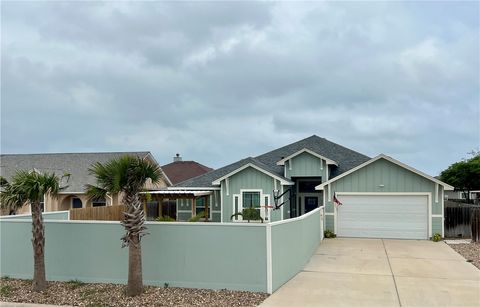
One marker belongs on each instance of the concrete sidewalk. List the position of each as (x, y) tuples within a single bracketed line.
[(376, 272)]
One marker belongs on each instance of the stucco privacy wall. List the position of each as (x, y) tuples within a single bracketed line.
[(199, 255), (293, 243), (57, 215), (246, 179), (394, 179)]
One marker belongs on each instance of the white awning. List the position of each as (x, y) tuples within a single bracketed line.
[(180, 192)]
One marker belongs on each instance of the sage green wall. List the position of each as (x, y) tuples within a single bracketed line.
[(293, 243), (248, 178), (305, 165), (56, 215), (183, 255), (394, 178)]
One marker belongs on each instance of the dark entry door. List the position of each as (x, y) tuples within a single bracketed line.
[(311, 203)]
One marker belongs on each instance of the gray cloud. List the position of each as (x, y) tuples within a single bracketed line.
[(221, 81)]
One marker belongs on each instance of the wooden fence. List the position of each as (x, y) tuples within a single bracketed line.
[(108, 213), (458, 221)]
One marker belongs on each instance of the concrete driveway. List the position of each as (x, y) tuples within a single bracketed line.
[(376, 272)]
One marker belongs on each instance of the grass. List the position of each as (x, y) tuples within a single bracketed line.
[(87, 294), (6, 290), (75, 283)]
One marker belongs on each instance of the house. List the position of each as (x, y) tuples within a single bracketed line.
[(177, 171), (76, 165), (180, 170), (380, 197)]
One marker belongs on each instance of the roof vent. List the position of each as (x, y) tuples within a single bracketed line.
[(177, 158)]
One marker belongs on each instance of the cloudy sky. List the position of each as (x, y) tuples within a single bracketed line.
[(217, 82)]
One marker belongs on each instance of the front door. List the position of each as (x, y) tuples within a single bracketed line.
[(311, 203)]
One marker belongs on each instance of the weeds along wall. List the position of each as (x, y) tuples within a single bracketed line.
[(237, 256)]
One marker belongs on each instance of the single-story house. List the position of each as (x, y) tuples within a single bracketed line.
[(380, 197), (76, 165)]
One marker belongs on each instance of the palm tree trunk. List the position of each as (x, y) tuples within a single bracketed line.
[(135, 280), (134, 226), (38, 242)]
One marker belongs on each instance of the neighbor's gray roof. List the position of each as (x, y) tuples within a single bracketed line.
[(75, 164), (346, 159)]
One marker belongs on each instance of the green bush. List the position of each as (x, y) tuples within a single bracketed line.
[(165, 218), (6, 290), (75, 283), (437, 237), (197, 217), (329, 234), (249, 214)]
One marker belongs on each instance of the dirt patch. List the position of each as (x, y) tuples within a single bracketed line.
[(470, 251), (76, 293)]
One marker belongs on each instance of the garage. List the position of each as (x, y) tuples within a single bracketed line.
[(403, 216)]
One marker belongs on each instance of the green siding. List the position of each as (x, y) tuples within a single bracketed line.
[(394, 178), (183, 216), (178, 254), (437, 223), (329, 222), (305, 165), (248, 178)]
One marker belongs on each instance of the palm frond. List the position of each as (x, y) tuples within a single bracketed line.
[(94, 192)]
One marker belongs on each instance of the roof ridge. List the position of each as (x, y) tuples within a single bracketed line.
[(71, 153)]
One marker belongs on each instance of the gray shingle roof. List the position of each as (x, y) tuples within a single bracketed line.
[(75, 164), (346, 159)]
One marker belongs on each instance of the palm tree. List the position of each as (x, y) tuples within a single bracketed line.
[(30, 187), (127, 175)]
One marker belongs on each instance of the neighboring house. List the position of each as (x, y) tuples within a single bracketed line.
[(74, 164), (180, 170), (461, 195), (381, 197)]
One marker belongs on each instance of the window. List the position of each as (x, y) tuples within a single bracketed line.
[(200, 205), (99, 202), (76, 203), (251, 200)]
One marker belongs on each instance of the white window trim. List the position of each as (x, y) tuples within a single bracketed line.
[(262, 203), (237, 196)]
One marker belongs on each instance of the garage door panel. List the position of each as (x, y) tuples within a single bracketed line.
[(380, 216)]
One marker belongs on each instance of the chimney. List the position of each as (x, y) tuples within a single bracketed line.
[(177, 158)]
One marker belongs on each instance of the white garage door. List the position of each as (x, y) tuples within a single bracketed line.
[(383, 216)]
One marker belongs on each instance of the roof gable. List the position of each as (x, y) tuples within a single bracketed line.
[(305, 150), (238, 170), (179, 171), (391, 160)]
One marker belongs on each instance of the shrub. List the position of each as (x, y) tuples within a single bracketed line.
[(329, 234), (75, 283), (165, 218), (437, 237), (197, 217), (6, 290), (249, 214)]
